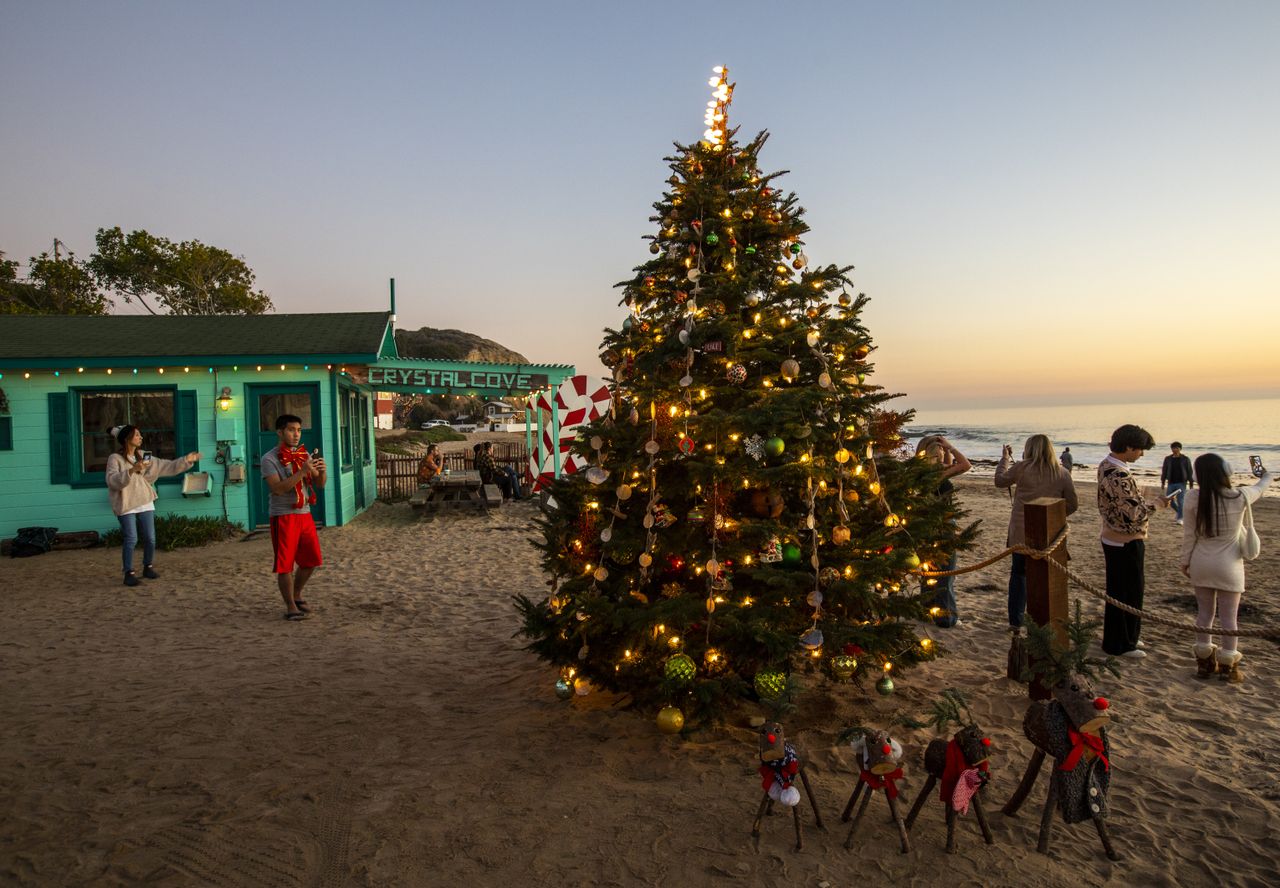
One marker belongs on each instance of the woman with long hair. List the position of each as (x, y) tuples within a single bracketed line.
[(131, 475), (1211, 558), (1037, 474), (938, 450)]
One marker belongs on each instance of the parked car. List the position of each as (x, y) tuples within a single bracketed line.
[(433, 423)]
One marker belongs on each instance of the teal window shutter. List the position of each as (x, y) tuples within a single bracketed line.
[(187, 432), (59, 438), (6, 433)]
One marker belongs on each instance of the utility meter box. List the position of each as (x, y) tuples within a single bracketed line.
[(235, 473), (235, 451), (228, 428)]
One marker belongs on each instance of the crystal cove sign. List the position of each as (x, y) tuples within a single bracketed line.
[(429, 376)]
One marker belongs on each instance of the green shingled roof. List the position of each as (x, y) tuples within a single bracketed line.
[(349, 336)]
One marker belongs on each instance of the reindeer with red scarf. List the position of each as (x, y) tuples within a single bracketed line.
[(879, 768), (1072, 728), (959, 763), (780, 765)]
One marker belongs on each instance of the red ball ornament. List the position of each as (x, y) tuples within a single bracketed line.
[(852, 649), (686, 445), (1101, 703)]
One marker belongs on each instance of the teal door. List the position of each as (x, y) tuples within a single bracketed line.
[(357, 452), (266, 403)]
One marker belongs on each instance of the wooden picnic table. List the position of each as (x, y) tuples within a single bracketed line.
[(456, 490)]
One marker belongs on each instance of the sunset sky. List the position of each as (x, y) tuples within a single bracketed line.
[(1047, 203)]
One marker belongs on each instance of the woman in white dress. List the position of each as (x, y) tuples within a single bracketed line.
[(1211, 558)]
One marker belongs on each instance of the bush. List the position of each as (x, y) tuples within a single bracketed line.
[(415, 442), (181, 531)]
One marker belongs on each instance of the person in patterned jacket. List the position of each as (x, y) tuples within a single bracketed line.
[(1125, 513)]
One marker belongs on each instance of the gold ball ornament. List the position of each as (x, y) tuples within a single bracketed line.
[(670, 720), (840, 534), (843, 456), (624, 492), (913, 561), (843, 667), (770, 684)]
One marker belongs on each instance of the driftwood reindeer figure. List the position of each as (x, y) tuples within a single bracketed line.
[(780, 764), (960, 764), (1072, 729), (878, 757)]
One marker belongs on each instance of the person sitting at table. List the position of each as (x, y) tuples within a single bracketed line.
[(430, 465), (491, 472)]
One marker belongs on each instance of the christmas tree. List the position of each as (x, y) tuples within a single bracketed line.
[(748, 511)]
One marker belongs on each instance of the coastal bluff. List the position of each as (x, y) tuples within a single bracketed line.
[(454, 345)]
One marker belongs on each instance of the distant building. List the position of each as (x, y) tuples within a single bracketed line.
[(383, 410)]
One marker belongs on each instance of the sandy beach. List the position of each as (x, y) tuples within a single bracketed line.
[(181, 733)]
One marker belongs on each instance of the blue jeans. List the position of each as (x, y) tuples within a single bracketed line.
[(1180, 488), (129, 527), (1017, 589), (944, 597)]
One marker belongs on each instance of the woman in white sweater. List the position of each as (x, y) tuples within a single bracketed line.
[(131, 474), (1211, 558)]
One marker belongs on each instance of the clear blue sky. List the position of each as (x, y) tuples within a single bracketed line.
[(1045, 201)]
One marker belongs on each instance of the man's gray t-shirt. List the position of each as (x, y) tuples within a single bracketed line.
[(282, 504)]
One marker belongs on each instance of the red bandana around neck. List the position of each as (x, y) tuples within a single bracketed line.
[(875, 781), (1079, 742), (954, 767), (294, 459)]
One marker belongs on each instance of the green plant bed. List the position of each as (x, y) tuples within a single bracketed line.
[(180, 531)]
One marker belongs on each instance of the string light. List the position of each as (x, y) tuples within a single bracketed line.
[(717, 115)]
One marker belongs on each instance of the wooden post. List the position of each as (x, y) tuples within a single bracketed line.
[(1043, 519)]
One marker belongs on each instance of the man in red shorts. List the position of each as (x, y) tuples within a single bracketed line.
[(293, 476)]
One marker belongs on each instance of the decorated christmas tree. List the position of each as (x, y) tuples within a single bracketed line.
[(748, 511)]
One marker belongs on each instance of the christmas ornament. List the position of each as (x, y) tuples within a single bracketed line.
[(767, 503), (715, 308), (771, 551), (754, 447), (655, 248), (687, 445), (753, 299), (695, 516), (681, 296), (672, 590), (775, 446), (827, 576), (736, 374), (714, 346), (770, 684), (686, 381), (651, 447), (694, 274), (563, 689), (581, 687), (811, 640), (790, 369), (751, 251), (645, 559), (795, 248), (597, 475), (884, 686), (824, 379), (712, 239), (844, 299), (814, 598), (811, 338), (624, 492), (748, 213), (670, 720), (791, 553), (680, 669), (843, 456), (662, 516), (840, 534), (861, 352), (843, 667)]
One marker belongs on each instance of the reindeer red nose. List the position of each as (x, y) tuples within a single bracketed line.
[(772, 738), (986, 741), (1101, 703), (886, 749)]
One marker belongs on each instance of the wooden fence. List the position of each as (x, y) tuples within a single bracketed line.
[(398, 475)]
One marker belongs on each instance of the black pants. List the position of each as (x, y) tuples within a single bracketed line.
[(1120, 630)]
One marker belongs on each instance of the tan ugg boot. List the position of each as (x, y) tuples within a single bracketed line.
[(1229, 667), (1206, 662)]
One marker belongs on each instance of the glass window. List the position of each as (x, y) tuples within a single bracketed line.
[(272, 406), (151, 411), (345, 436)]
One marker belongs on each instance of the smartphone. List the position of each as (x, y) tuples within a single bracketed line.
[(315, 451), (1255, 466), (145, 455)]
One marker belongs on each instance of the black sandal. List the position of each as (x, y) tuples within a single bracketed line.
[(293, 618)]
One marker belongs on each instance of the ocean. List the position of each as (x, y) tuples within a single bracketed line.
[(1232, 429)]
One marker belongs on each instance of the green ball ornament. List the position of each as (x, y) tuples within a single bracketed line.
[(791, 553), (751, 250), (670, 720), (713, 239), (564, 690), (884, 687), (796, 248), (770, 684), (843, 667), (774, 446), (680, 669)]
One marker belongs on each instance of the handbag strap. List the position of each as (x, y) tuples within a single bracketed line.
[(1247, 519)]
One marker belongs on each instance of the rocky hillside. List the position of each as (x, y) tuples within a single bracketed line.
[(453, 345)]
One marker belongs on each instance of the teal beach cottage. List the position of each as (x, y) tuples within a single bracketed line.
[(209, 383)]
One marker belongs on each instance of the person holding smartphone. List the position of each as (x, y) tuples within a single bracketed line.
[(293, 475), (939, 451), (1176, 476), (1036, 475), (1125, 513), (131, 475)]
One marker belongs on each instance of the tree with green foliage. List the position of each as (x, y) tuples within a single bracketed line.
[(55, 285), (187, 278), (748, 512)]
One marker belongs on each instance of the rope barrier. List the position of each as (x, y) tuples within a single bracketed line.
[(1043, 555)]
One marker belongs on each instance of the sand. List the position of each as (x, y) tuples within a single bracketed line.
[(182, 733)]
